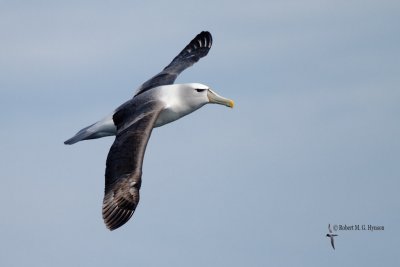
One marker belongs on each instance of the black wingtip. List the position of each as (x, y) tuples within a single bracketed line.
[(203, 39), (117, 211), (205, 33), (197, 48), (114, 216), (68, 142)]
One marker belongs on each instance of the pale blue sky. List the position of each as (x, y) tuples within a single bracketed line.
[(313, 138)]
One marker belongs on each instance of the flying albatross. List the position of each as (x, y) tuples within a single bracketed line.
[(156, 102), (331, 235)]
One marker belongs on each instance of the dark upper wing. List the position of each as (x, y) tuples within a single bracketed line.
[(195, 50), (124, 161)]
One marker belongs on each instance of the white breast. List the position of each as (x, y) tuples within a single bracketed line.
[(179, 101), (174, 110)]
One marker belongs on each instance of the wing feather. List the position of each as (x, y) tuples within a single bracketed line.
[(195, 50), (125, 159)]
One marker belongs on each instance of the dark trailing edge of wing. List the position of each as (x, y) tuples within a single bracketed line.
[(195, 50)]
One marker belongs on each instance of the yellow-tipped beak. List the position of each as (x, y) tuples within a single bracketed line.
[(217, 99)]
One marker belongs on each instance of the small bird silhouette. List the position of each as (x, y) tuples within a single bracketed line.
[(331, 235)]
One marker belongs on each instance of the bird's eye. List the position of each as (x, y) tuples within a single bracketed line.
[(200, 90)]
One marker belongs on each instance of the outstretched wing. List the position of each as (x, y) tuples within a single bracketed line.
[(124, 161), (329, 228), (332, 242), (195, 50)]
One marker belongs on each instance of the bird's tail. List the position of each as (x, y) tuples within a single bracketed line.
[(83, 134), (102, 128)]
